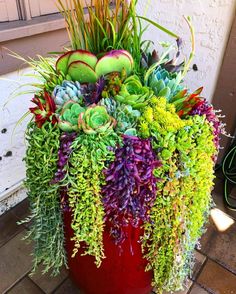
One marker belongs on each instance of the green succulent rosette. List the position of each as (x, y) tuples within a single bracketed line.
[(68, 120), (134, 93), (95, 120)]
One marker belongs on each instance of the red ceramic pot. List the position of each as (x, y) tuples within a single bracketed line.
[(120, 272)]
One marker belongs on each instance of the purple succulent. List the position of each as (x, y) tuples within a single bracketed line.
[(63, 155), (131, 187), (93, 92)]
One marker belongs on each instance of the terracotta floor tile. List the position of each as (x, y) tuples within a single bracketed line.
[(200, 259), (186, 288), (198, 290), (220, 246), (15, 261), (46, 282), (68, 288), (25, 286), (8, 227), (216, 279)]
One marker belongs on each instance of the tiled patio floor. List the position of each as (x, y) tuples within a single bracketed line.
[(214, 272)]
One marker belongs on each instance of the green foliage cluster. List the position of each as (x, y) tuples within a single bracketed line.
[(160, 118), (183, 199), (46, 229), (84, 179)]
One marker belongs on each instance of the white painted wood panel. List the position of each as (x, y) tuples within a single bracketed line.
[(8, 10), (12, 143), (34, 7), (43, 7)]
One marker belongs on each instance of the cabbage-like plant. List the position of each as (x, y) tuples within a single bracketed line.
[(134, 93), (96, 120)]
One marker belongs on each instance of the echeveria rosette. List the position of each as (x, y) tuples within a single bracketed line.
[(45, 109), (92, 93), (134, 93), (130, 188), (166, 84), (125, 115), (68, 91), (68, 119), (96, 120)]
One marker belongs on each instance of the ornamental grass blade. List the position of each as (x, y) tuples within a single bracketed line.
[(165, 30)]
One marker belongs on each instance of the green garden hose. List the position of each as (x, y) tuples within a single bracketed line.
[(229, 171)]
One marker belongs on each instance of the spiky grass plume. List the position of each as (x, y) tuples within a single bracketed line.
[(104, 27)]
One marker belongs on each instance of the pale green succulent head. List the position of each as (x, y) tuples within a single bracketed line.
[(96, 120), (68, 120), (134, 93)]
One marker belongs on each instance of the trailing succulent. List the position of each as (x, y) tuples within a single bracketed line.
[(130, 188), (83, 180), (46, 228), (185, 149), (117, 139)]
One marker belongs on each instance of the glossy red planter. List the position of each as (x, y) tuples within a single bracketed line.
[(120, 273)]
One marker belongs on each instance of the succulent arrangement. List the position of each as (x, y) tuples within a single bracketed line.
[(117, 137)]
